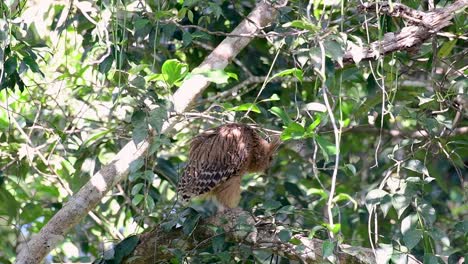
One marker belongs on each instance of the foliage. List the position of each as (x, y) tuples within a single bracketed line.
[(79, 80)]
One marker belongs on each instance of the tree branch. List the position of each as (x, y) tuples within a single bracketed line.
[(422, 26), (240, 227), (104, 180)]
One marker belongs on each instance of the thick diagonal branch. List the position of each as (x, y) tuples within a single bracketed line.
[(422, 25)]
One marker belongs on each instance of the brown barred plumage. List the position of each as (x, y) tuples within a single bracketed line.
[(219, 157)]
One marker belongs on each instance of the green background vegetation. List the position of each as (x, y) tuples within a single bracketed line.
[(77, 80)]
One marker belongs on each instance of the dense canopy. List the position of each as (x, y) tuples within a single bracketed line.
[(99, 101)]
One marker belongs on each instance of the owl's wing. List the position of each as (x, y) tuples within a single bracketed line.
[(215, 156)]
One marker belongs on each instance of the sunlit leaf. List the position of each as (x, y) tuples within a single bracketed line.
[(173, 71), (400, 203), (345, 197), (281, 114), (417, 166), (315, 107), (137, 199), (326, 147), (374, 197), (384, 253), (294, 71), (246, 107), (428, 213), (293, 131)]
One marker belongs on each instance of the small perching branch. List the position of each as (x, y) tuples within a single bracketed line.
[(422, 26), (156, 245), (104, 180)]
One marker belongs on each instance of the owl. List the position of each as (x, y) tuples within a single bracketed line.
[(217, 160)]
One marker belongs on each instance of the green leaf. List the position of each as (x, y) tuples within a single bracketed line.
[(374, 197), (136, 165), (320, 192), (140, 126), (8, 203), (191, 222), (190, 16), (310, 132), (294, 71), (245, 107), (335, 228), (149, 203), (409, 223), (284, 235), (351, 168), (462, 227), (274, 97), (232, 75), (10, 65), (400, 203), (446, 48), (432, 259), (288, 209), (412, 238), (385, 204), (138, 68), (32, 65), (334, 51), (302, 24), (173, 71), (187, 38), (314, 230), (157, 117), (140, 23), (315, 107), (417, 166), (281, 114), (345, 197), (326, 147), (124, 248), (327, 248), (137, 199), (95, 137), (271, 204), (218, 241), (428, 213), (137, 188), (293, 131)]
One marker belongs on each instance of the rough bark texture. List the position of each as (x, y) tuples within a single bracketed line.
[(155, 246), (91, 193), (422, 25)]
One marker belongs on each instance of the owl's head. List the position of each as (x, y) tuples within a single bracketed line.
[(263, 155)]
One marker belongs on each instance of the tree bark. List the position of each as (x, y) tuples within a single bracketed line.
[(156, 245), (129, 157), (422, 25)]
